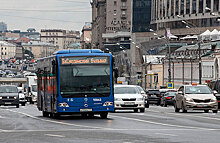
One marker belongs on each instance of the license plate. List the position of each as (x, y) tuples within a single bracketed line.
[(154, 96), (202, 106), (85, 110), (7, 102), (129, 103)]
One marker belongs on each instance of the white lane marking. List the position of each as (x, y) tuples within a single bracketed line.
[(166, 134), (64, 130), (53, 121), (2, 117), (178, 114), (162, 124), (51, 135)]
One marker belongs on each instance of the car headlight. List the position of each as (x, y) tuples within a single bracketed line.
[(189, 100), (118, 99), (15, 97), (140, 99), (0, 97), (213, 100)]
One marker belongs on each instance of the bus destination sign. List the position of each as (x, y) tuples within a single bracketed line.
[(84, 60)]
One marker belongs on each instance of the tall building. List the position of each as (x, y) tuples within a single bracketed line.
[(141, 15), (111, 23), (170, 13), (3, 27), (61, 38)]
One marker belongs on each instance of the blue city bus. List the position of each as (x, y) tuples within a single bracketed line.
[(75, 81)]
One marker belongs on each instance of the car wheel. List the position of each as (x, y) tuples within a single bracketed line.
[(176, 109), (135, 110), (147, 105), (206, 111), (183, 109), (142, 110), (164, 105), (215, 111), (17, 106)]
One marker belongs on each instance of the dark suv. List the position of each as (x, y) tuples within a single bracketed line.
[(154, 96), (9, 95), (215, 85)]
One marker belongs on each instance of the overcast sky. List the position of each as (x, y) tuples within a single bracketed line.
[(41, 14)]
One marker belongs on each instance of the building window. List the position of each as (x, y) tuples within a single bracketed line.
[(123, 12), (115, 12), (115, 3), (194, 6), (123, 3)]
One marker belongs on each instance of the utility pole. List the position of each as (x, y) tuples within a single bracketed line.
[(200, 62), (145, 74)]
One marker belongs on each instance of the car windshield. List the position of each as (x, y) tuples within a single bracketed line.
[(126, 90), (8, 89), (198, 90)]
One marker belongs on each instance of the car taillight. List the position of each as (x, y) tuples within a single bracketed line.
[(169, 97), (159, 96)]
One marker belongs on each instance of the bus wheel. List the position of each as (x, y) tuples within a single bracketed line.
[(45, 114), (104, 115), (56, 115), (91, 115)]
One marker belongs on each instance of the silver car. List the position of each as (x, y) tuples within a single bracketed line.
[(129, 97), (195, 97)]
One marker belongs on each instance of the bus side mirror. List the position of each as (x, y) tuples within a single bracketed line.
[(53, 67), (115, 74)]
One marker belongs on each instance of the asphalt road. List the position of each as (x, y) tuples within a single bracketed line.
[(156, 125)]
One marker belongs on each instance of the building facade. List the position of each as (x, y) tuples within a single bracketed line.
[(170, 13), (109, 16), (40, 49), (3, 27), (61, 38), (86, 36), (8, 50)]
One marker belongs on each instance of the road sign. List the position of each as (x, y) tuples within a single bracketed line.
[(170, 85)]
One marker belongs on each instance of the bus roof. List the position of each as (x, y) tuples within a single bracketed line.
[(78, 51)]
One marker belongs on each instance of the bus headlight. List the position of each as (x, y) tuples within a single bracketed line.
[(108, 104), (63, 104)]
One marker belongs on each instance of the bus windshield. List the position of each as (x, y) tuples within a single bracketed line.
[(78, 80)]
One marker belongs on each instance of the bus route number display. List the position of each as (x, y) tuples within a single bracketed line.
[(84, 60)]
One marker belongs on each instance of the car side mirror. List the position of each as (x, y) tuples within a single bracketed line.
[(215, 92), (20, 92)]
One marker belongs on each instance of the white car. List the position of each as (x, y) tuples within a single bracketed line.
[(22, 98), (129, 97)]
